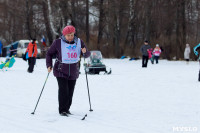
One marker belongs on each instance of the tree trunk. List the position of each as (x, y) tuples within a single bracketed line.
[(47, 23), (147, 20), (101, 19), (116, 36), (131, 26), (65, 11), (180, 29), (29, 18), (51, 19), (87, 22), (73, 15)]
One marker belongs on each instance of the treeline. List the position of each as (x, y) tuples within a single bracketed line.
[(116, 27)]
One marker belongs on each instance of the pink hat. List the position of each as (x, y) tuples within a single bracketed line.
[(68, 29)]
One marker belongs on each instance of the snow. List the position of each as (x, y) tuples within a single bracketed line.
[(132, 99)]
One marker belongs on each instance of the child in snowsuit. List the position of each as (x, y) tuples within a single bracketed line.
[(156, 53), (150, 54), (196, 52)]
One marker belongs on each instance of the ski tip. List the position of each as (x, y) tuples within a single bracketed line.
[(84, 117)]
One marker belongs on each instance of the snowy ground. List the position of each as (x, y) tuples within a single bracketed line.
[(130, 100)]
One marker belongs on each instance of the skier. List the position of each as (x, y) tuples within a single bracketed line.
[(156, 53), (1, 46), (196, 52), (144, 52), (32, 54), (12, 51), (187, 53), (67, 49)]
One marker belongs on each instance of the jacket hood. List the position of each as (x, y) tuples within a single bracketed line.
[(65, 40)]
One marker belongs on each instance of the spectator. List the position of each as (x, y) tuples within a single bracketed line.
[(156, 53), (32, 54), (145, 55), (187, 53)]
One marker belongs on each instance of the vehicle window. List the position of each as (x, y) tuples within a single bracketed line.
[(21, 46), (26, 45)]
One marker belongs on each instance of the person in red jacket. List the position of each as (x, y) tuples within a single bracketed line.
[(32, 54)]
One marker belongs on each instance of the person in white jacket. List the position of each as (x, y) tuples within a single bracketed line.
[(187, 53)]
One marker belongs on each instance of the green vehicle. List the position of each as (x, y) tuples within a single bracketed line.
[(95, 64)]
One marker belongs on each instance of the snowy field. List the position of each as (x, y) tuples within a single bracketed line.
[(157, 99)]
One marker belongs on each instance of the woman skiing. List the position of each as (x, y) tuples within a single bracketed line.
[(67, 50)]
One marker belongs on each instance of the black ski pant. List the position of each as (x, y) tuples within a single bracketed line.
[(199, 72), (156, 58), (144, 60), (31, 63), (199, 75), (65, 93)]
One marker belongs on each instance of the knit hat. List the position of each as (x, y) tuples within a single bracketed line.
[(68, 29), (157, 45)]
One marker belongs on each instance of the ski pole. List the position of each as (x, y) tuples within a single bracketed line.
[(40, 94), (88, 88)]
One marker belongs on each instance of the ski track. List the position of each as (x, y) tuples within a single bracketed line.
[(131, 99)]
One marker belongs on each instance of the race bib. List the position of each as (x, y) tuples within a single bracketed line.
[(70, 52)]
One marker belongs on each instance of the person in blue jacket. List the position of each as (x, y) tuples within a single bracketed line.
[(1, 46), (196, 52)]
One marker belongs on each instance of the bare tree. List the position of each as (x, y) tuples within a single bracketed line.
[(131, 25), (147, 19), (87, 22), (29, 17), (47, 22), (117, 27), (180, 28), (101, 19)]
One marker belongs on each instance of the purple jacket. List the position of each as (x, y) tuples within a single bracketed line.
[(70, 71)]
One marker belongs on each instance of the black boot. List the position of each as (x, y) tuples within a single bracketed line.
[(69, 113), (63, 114)]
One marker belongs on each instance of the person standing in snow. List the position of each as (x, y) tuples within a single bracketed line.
[(1, 46), (196, 52), (151, 56), (187, 53), (156, 53), (67, 49), (145, 55), (12, 51), (32, 54)]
